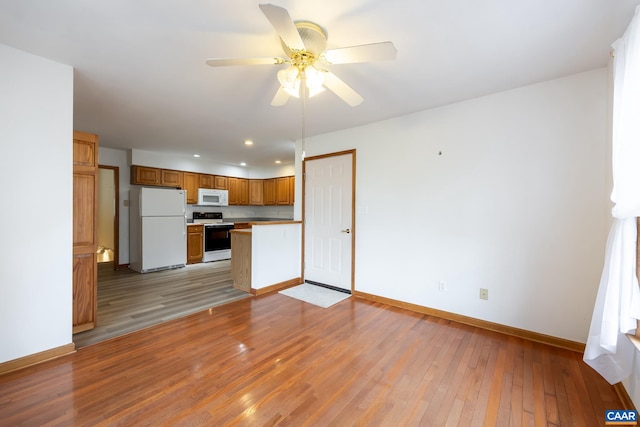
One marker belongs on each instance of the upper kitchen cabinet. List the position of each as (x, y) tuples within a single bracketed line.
[(256, 192), (282, 191), (220, 182), (279, 191), (242, 191), (217, 182), (85, 235), (171, 178), (206, 181), (269, 189), (190, 182), (238, 191), (144, 175)]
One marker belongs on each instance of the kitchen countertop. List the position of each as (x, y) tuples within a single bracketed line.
[(245, 220), (241, 230), (255, 219)]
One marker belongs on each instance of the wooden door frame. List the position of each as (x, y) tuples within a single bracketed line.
[(116, 219), (352, 152)]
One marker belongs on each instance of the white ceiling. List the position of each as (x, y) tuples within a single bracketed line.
[(141, 79)]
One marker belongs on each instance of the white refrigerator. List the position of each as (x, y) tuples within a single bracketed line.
[(157, 229)]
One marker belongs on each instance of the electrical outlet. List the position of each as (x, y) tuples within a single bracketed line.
[(484, 293), (442, 286)]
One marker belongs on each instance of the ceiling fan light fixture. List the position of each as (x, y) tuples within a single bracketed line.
[(293, 88), (288, 76), (315, 80), (315, 90)]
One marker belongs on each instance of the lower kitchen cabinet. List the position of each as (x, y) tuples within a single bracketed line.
[(195, 243)]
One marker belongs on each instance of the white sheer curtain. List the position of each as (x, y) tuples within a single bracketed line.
[(617, 306)]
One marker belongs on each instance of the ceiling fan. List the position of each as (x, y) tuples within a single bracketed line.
[(304, 44)]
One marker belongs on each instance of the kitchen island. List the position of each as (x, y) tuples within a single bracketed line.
[(267, 256)]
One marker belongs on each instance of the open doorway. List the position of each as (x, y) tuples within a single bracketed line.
[(108, 216)]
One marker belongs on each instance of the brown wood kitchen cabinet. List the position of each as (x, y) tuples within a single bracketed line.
[(171, 178), (145, 175), (220, 182), (256, 192), (206, 181), (195, 243), (242, 191), (238, 191), (190, 185), (282, 191), (269, 191), (85, 234)]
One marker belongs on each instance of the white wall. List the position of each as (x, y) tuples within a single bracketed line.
[(36, 130), (507, 192), (276, 251)]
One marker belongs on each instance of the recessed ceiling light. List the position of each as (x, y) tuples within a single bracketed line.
[(278, 162), (243, 164), (196, 155), (248, 142)]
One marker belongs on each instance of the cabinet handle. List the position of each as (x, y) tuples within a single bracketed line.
[(346, 230)]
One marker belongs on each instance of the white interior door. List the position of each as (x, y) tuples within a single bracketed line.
[(328, 211)]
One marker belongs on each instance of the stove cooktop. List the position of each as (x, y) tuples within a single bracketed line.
[(209, 218)]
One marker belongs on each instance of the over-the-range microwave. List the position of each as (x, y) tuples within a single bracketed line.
[(212, 197)]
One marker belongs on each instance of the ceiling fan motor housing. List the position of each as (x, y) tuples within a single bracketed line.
[(314, 38)]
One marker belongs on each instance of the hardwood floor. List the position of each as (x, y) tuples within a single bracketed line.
[(273, 360), (129, 301)]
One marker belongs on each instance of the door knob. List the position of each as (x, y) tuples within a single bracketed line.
[(346, 230)]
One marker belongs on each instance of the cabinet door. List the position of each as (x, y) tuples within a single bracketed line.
[(282, 191), (195, 244), (190, 185), (143, 175), (238, 191), (220, 182), (243, 191), (85, 235), (206, 181), (269, 192), (234, 195), (256, 192), (171, 178)]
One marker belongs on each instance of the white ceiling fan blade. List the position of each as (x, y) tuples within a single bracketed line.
[(362, 53), (223, 62), (343, 90), (280, 98), (284, 26)]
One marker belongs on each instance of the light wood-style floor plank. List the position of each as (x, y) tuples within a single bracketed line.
[(129, 301), (273, 360)]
